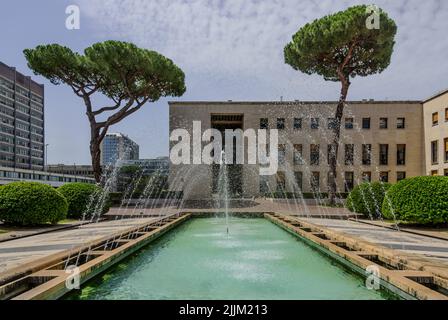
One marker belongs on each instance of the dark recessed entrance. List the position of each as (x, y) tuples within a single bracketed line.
[(222, 122)]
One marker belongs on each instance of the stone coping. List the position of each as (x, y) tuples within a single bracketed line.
[(400, 273)]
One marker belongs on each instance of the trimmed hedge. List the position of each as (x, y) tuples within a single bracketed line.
[(420, 199), (82, 198), (31, 203), (367, 198)]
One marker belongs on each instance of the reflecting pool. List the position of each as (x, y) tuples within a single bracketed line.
[(198, 260)]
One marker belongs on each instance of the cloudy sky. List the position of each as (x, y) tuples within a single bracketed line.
[(229, 50)]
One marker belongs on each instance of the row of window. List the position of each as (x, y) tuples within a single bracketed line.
[(315, 180), (435, 151), (332, 123), (42, 177), (35, 110), (349, 154), (435, 117), (24, 92)]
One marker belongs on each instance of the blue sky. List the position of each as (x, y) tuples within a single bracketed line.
[(229, 49)]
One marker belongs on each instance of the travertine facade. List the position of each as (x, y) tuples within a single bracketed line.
[(387, 140), (435, 115)]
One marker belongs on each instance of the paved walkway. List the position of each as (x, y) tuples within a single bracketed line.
[(16, 252), (410, 243)]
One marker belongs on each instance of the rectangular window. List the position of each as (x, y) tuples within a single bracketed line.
[(366, 176), (435, 118), (401, 123), (366, 123), (331, 151), (264, 184), (349, 154), (435, 152), (366, 154), (401, 175), (281, 181), (349, 181), (445, 142), (280, 123), (435, 172), (315, 181), (332, 123), (383, 123), (314, 154), (384, 154), (384, 176), (264, 123), (401, 154), (445, 172), (314, 123), (298, 154), (330, 179), (446, 114), (297, 123), (348, 123), (298, 176), (281, 153)]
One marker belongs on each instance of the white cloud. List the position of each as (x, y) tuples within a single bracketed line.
[(234, 48)]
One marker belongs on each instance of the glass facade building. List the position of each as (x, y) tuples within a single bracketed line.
[(117, 146)]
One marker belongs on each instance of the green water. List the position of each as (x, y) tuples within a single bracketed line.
[(258, 260)]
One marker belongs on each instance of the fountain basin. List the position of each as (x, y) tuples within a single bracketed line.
[(257, 260)]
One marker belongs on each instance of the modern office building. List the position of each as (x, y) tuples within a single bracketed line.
[(8, 175), (380, 140), (159, 165), (83, 170), (22, 143), (117, 146)]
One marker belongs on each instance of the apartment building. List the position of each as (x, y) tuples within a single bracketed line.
[(22, 120)]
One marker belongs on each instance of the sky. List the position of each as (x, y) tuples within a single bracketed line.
[(229, 50)]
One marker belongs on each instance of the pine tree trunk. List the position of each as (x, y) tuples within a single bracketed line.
[(95, 153), (336, 136)]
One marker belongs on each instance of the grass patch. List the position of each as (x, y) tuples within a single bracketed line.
[(67, 221)]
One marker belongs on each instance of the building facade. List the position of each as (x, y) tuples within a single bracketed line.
[(380, 141), (83, 170), (160, 165), (8, 175), (22, 143), (117, 146), (436, 134)]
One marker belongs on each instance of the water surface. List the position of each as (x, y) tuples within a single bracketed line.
[(197, 260)]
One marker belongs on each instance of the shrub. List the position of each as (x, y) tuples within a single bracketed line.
[(367, 198), (419, 199), (31, 203), (83, 199)]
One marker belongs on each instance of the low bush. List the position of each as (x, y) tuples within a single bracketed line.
[(421, 200), (83, 199), (31, 203), (367, 198)]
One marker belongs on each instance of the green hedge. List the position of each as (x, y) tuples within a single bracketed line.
[(31, 203), (367, 198), (419, 200), (82, 199)]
